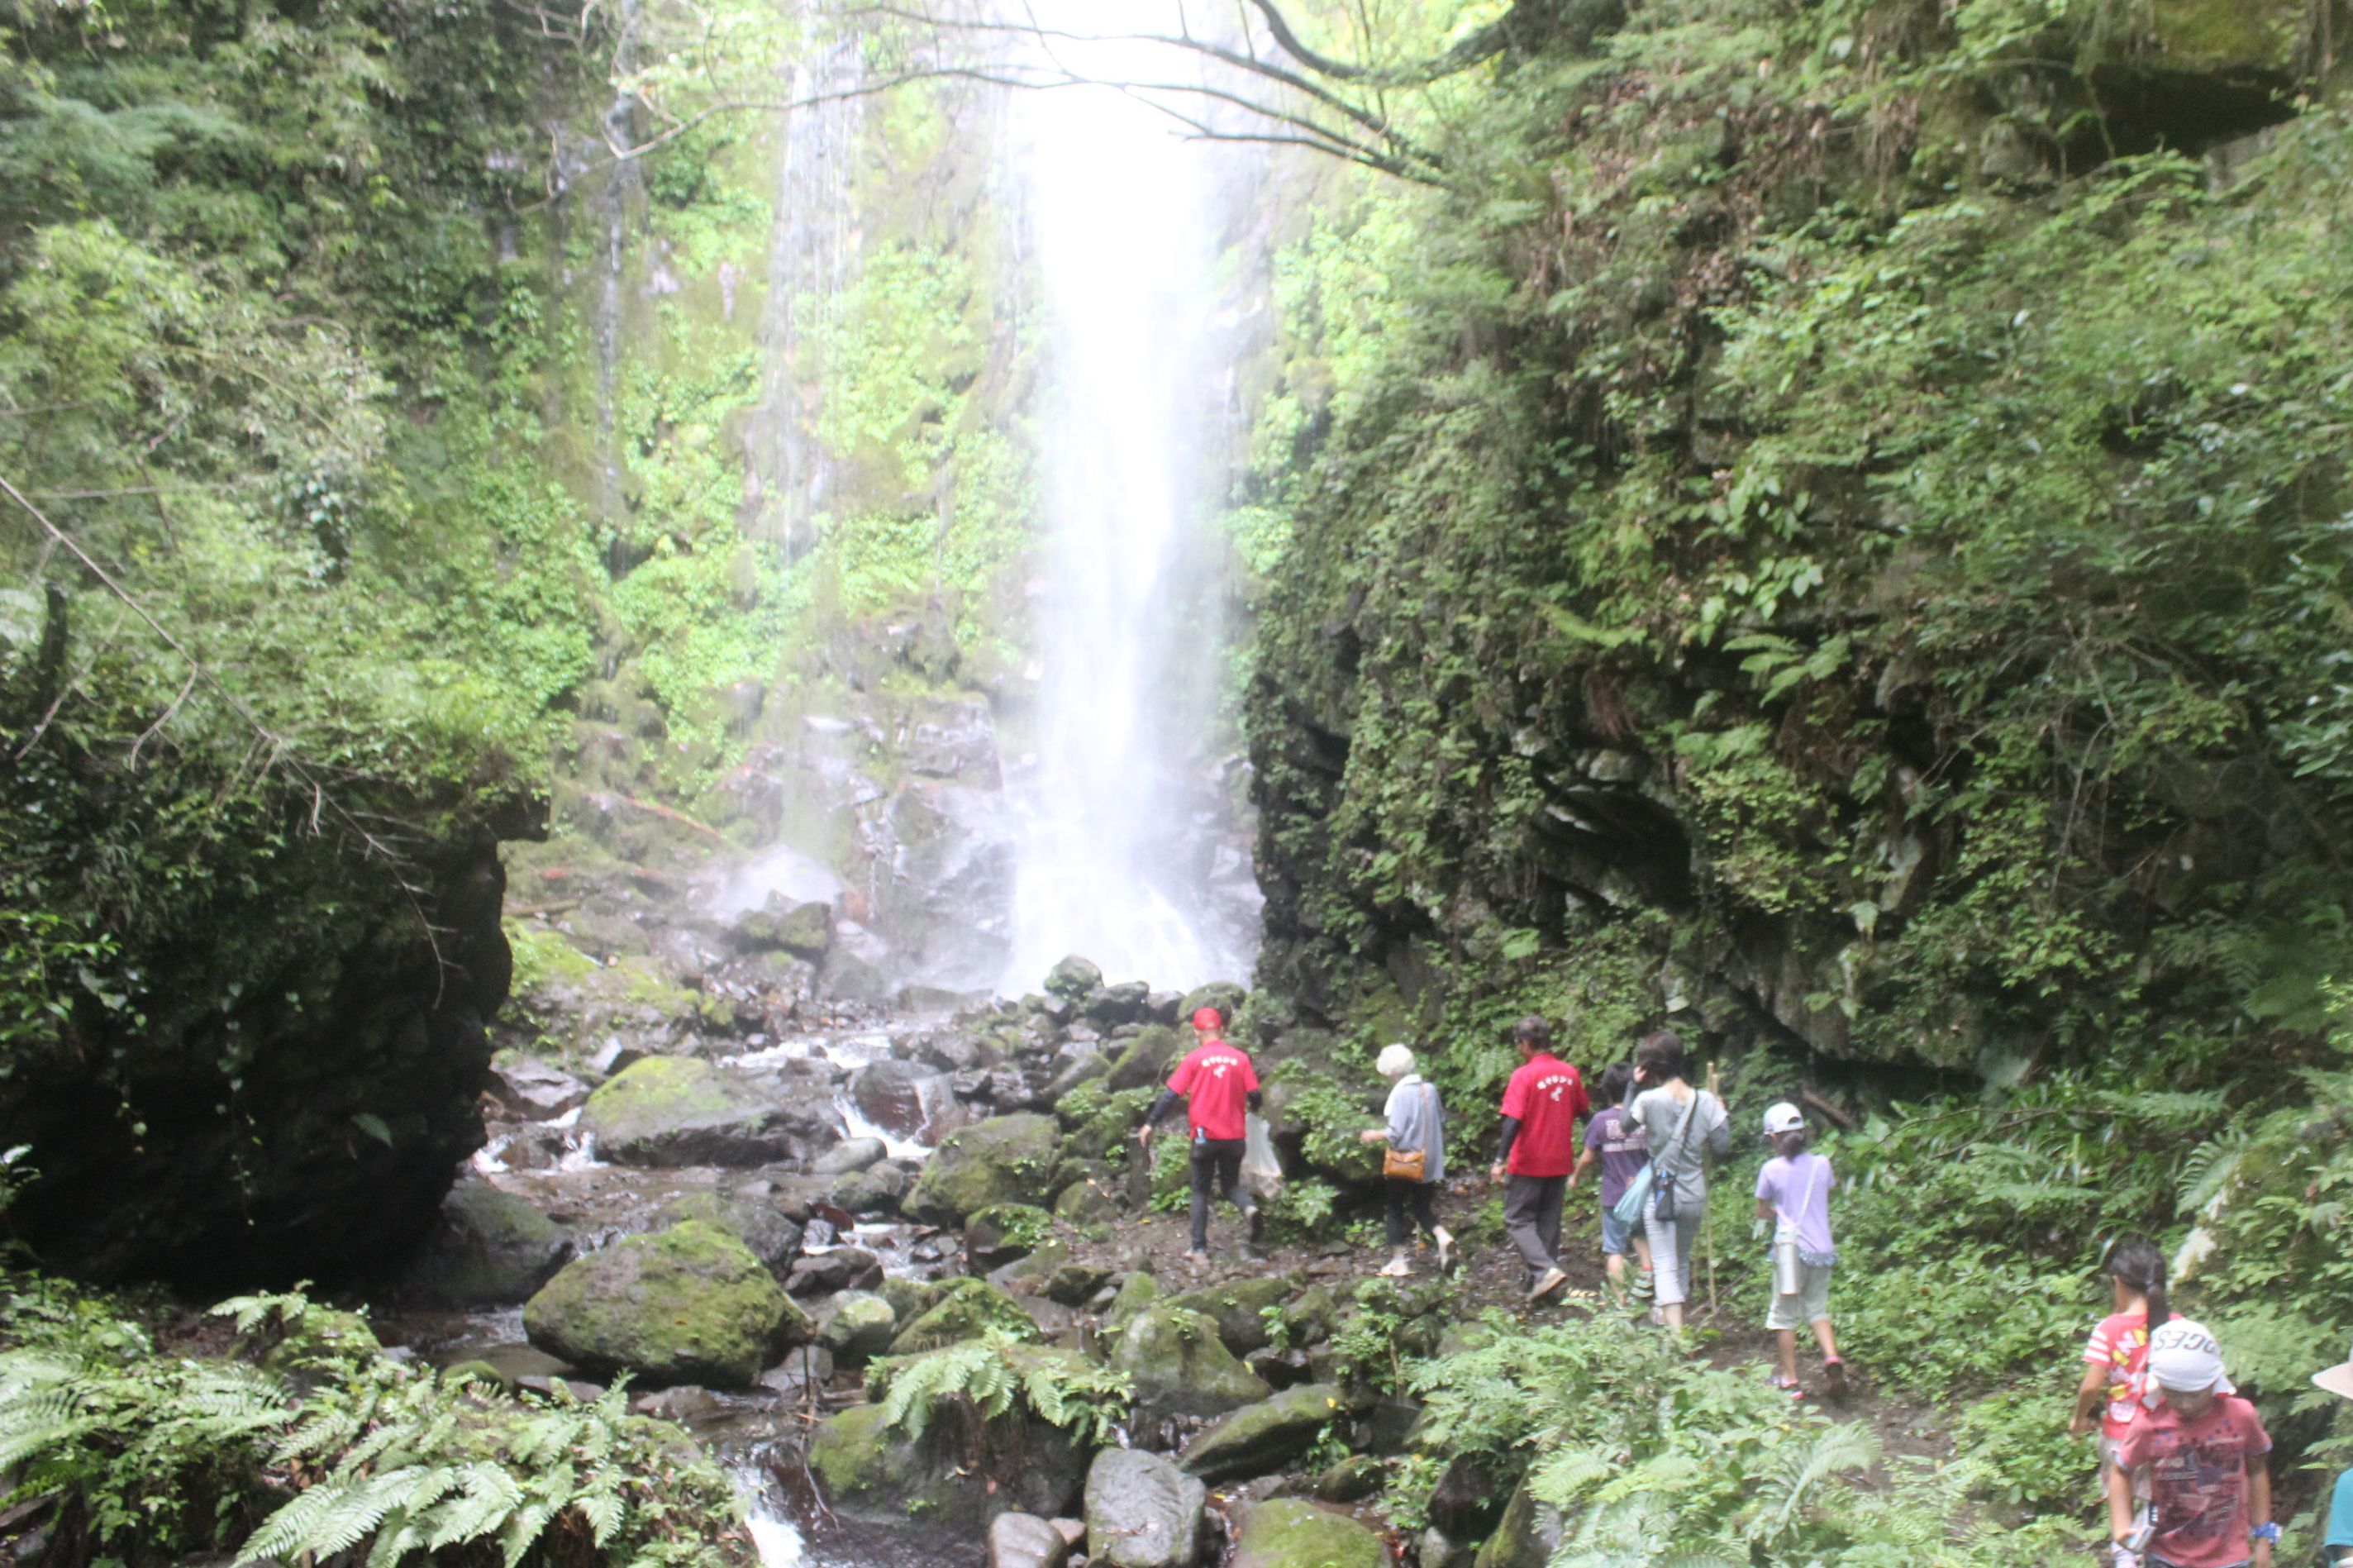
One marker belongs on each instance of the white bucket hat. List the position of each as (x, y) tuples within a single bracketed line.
[(2337, 1379), (1783, 1118), (2184, 1357), (1395, 1061)]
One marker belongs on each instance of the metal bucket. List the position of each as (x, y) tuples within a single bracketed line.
[(1788, 1271)]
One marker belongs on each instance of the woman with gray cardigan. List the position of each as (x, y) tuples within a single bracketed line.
[(1416, 1122), (1684, 1126)]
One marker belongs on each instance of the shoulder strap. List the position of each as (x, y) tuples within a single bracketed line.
[(1675, 1140)]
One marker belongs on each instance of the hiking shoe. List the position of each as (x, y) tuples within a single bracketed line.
[(1658, 1318), (1549, 1281), (1197, 1258), (1445, 1252), (1397, 1268)]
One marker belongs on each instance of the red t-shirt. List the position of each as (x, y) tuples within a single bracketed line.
[(2121, 1345), (1215, 1081), (2198, 1477), (1548, 1097)]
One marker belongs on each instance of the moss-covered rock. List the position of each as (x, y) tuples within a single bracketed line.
[(1004, 1233), (321, 1340), (957, 1475), (689, 1304), (910, 1298), (1526, 1537), (1288, 1533), (774, 1239), (489, 1248), (1180, 1367), (965, 1310), (1073, 977), (1004, 1159), (1224, 995), (1259, 1439), (857, 1325), (683, 1111), (1136, 1292), (1146, 1059), (1143, 1512), (2263, 35), (1239, 1308)]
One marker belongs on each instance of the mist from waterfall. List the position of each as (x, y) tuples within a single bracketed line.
[(1114, 858)]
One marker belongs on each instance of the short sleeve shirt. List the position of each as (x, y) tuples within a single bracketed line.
[(2340, 1513), (1624, 1150), (2198, 1480), (1548, 1099), (2121, 1345), (1215, 1081), (1799, 1190)]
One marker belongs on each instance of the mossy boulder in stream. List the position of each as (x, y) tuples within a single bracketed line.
[(690, 1304), (1290, 1533), (681, 1110), (489, 1248), (1181, 1368), (957, 1475), (1143, 1512), (1004, 1159), (966, 1309), (773, 1236), (1259, 1439)]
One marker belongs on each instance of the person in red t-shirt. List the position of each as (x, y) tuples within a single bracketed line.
[(1542, 1106), (2117, 1357), (1218, 1085), (2205, 1452)]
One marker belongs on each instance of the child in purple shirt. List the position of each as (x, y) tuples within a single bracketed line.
[(1616, 1141), (1793, 1191)]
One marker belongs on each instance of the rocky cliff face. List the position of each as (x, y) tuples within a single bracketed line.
[(1766, 582)]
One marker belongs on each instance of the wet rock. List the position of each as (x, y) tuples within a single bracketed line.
[(1465, 1503), (1142, 1511), (898, 1097), (910, 1298), (1145, 1060), (534, 1091), (956, 1477), (1181, 1368), (1289, 1532), (1073, 1068), (1356, 1477), (805, 930), (1224, 995), (857, 1325), (1111, 1005), (1072, 979), (874, 1190), (1281, 1369), (1025, 1541), (841, 1268), (1087, 1202), (1161, 1007), (489, 1248), (1436, 1548), (1526, 1537), (850, 1155), (679, 1110), (1259, 1439), (690, 1304), (1136, 1292), (1074, 1284), (684, 1403), (965, 1309), (1239, 1308), (1003, 1233), (855, 974), (774, 1239), (1004, 1159)]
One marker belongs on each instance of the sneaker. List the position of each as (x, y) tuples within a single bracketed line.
[(1834, 1373), (1397, 1268), (1549, 1281), (1197, 1258), (1789, 1386), (1658, 1318), (1445, 1252), (1256, 1220)]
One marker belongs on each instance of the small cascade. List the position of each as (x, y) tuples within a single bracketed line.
[(1121, 824), (812, 259)]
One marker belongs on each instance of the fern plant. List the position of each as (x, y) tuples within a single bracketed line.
[(996, 1376)]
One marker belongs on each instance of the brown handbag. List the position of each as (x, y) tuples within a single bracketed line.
[(1413, 1167)]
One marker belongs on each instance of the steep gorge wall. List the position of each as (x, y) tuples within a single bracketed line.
[(1841, 553)]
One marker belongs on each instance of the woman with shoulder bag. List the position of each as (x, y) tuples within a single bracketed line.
[(1415, 1161), (1685, 1126)]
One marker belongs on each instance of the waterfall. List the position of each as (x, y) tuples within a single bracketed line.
[(1120, 827), (617, 197)]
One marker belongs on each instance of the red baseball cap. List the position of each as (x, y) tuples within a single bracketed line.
[(1208, 1018)]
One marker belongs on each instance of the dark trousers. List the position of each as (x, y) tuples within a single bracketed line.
[(1217, 1158), (1532, 1218), (1405, 1197)]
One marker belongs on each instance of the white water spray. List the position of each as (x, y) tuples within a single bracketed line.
[(1114, 860)]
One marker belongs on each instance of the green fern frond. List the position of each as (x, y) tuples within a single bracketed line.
[(1801, 1468)]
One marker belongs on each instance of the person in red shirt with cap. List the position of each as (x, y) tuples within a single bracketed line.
[(1542, 1106), (1218, 1085)]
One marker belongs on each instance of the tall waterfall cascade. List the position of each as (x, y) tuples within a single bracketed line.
[(1117, 850)]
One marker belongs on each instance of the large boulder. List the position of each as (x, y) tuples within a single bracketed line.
[(774, 1239), (899, 1097), (804, 929), (1142, 1511), (683, 1111), (1181, 1368), (1526, 1537), (1073, 978), (534, 1091), (1224, 995), (1025, 1541), (1145, 1060), (489, 1248), (690, 1304), (848, 1157), (1112, 1005), (1004, 1233), (966, 1309), (857, 1325), (1239, 1308), (1004, 1159), (955, 1477), (1259, 1439), (1291, 1534)]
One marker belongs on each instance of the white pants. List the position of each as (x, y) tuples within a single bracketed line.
[(1672, 1235)]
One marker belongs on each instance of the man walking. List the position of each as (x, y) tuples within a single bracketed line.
[(1218, 1085), (1541, 1105)]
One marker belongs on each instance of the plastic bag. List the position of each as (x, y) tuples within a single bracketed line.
[(1261, 1170)]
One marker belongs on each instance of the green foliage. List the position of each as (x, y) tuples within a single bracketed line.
[(997, 1375), (170, 1453)]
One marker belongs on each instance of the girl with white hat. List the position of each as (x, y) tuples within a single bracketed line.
[(1793, 1191)]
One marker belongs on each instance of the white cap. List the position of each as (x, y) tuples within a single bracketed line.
[(2337, 1380), (1395, 1061), (1783, 1118), (2185, 1357)]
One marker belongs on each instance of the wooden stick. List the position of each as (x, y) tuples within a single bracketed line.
[(1707, 1228)]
